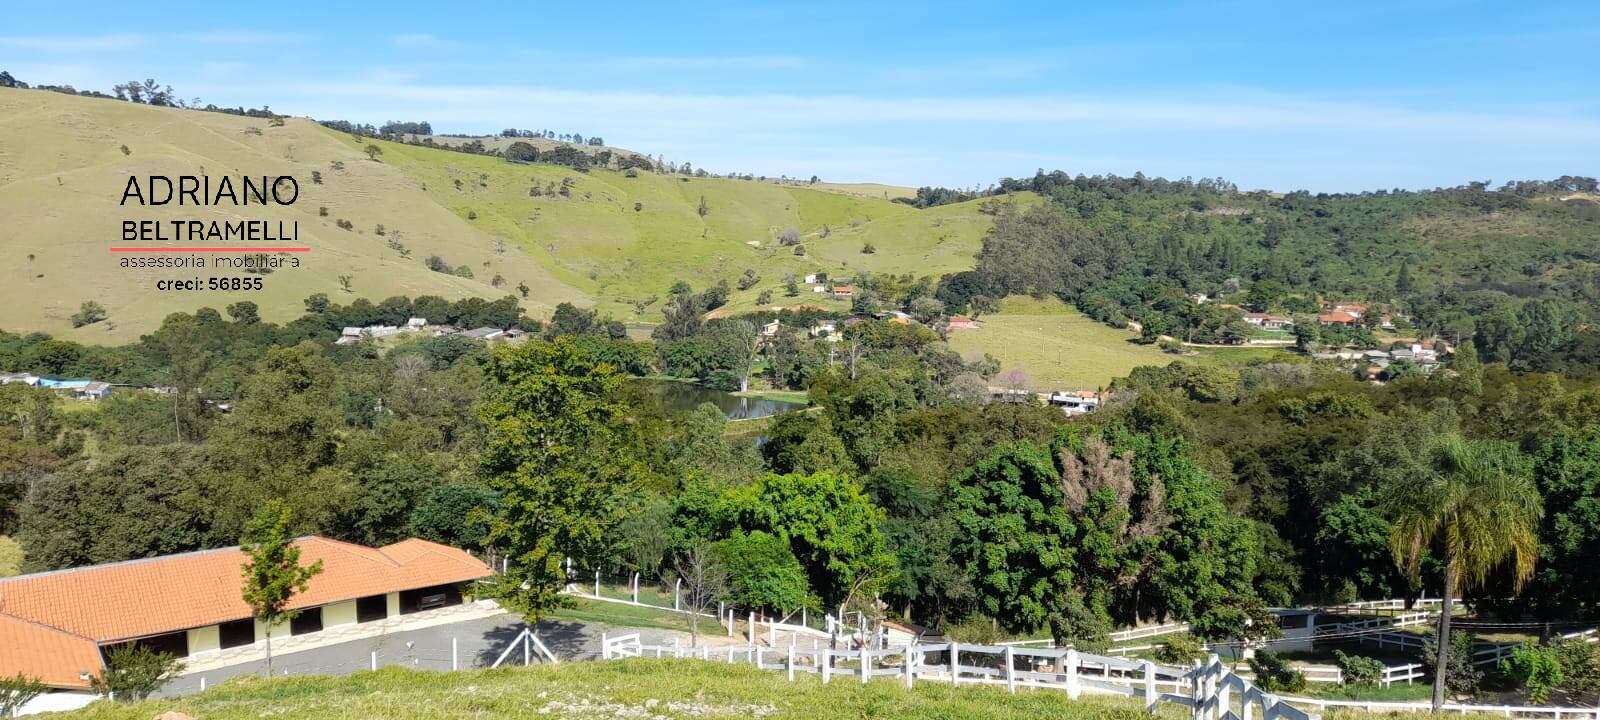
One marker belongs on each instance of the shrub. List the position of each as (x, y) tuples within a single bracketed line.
[(1460, 675), (464, 271), (322, 211), (472, 214), (800, 250), (1180, 650), (89, 313), (1580, 664), (1537, 668), (134, 671), (18, 691), (344, 224), (868, 249), (1273, 674), (437, 264), (1359, 670), (764, 297), (789, 236)]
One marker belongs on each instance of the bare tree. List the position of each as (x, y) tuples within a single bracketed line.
[(705, 579)]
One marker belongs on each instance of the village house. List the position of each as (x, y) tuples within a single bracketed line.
[(811, 279), (1267, 321), (1337, 317), (962, 322), (771, 329), (827, 330), (1075, 402), (55, 626), (843, 292), (483, 333), (77, 389)]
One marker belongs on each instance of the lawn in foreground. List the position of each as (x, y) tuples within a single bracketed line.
[(643, 687), (1058, 347)]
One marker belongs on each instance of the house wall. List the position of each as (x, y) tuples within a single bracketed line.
[(339, 614), (58, 701), (280, 631), (205, 639)]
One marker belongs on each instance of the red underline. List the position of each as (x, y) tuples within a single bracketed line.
[(209, 249)]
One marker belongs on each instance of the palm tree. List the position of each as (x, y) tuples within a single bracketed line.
[(1476, 500)]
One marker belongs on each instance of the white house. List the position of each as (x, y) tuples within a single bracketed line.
[(811, 279), (1075, 402)]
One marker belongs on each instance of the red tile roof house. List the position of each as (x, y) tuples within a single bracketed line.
[(962, 322), (1337, 317), (53, 625)]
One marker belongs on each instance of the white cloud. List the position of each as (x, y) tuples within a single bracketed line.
[(242, 37), (88, 43), (667, 62), (418, 40)]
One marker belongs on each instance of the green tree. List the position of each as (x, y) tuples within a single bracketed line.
[(89, 313), (560, 457), (763, 572), (1477, 502), (134, 671), (272, 571), (18, 690), (455, 514), (244, 312)]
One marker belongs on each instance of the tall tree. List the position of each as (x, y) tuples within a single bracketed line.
[(560, 457), (273, 574), (1477, 502)]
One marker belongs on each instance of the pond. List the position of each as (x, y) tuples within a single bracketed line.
[(682, 396)]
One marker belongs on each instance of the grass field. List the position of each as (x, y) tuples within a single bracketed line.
[(610, 240), (1055, 345), (638, 688), (62, 174), (628, 616)]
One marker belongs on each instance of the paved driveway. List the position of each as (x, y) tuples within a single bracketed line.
[(478, 643)]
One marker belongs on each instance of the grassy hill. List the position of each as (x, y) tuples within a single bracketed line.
[(626, 237), (632, 688), (62, 173), (1055, 345), (610, 240)]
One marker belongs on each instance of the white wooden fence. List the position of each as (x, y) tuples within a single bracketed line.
[(1210, 691)]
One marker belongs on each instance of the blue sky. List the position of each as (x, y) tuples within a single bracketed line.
[(1325, 96)]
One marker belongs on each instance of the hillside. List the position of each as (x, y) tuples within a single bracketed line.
[(635, 688), (626, 237), (615, 240), (62, 172)]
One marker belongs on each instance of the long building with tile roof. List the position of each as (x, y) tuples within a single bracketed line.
[(53, 625)]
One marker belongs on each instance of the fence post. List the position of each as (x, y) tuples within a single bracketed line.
[(866, 665), (676, 587), (802, 615), (910, 671), (597, 583), (1150, 696), (1071, 661), (1011, 670), (677, 648), (374, 660), (202, 683), (455, 655), (605, 647), (1224, 697), (527, 647), (791, 663), (955, 663), (636, 587), (752, 628), (772, 634), (827, 664)]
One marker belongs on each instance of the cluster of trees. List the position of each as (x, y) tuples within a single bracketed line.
[(575, 138), (1137, 249)]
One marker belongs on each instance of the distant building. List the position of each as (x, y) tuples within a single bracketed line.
[(962, 322), (1337, 317), (483, 333), (811, 279), (416, 323), (843, 292), (24, 378), (1076, 402), (770, 329), (1266, 321)]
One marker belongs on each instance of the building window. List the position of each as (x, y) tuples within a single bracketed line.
[(237, 633), (372, 607), (308, 621), (429, 598)]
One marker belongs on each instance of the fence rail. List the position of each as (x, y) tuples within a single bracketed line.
[(1211, 691)]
